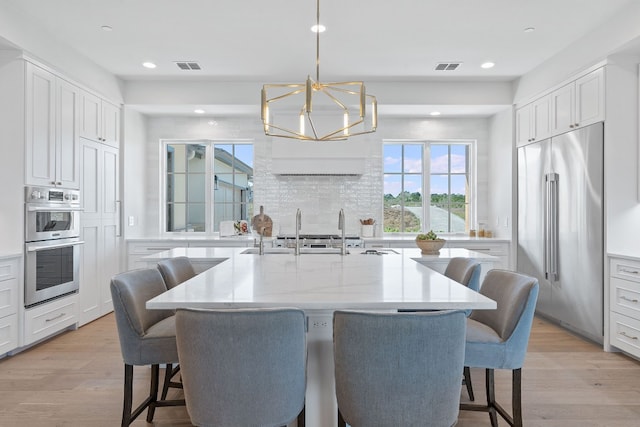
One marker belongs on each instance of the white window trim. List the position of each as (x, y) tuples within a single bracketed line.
[(426, 174), (162, 193)]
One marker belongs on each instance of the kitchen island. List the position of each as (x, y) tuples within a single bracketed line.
[(320, 284)]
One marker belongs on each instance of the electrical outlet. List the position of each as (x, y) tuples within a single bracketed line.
[(319, 324), (506, 222), (497, 220), (132, 221)]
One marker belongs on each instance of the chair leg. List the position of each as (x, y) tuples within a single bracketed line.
[(341, 422), (128, 395), (467, 383), (301, 418), (168, 373), (491, 397), (516, 397), (153, 392)]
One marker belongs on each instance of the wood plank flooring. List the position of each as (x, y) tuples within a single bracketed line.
[(75, 379)]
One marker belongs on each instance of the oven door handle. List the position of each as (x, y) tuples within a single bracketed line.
[(45, 247), (53, 209)]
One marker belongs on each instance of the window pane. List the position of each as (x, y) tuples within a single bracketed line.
[(413, 158), (176, 217), (412, 220), (196, 217), (244, 153), (196, 157), (176, 188), (459, 158), (225, 192), (197, 188), (459, 207), (439, 158), (392, 186), (392, 158), (176, 155)]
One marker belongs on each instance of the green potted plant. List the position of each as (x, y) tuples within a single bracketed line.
[(429, 243)]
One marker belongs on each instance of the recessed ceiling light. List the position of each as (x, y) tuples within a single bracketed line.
[(435, 113), (529, 29), (148, 64), (212, 123), (198, 111), (319, 28), (488, 65), (107, 28)]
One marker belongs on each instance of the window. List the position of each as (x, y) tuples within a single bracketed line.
[(207, 182), (440, 169)]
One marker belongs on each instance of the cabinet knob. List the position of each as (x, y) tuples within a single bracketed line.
[(577, 124), (571, 126)]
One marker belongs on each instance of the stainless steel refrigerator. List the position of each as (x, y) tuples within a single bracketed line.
[(560, 226)]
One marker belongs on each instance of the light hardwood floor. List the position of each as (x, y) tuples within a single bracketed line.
[(75, 379)]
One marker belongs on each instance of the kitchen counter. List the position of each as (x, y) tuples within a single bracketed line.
[(318, 284)]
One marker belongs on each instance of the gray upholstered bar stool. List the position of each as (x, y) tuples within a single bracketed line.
[(498, 339), (398, 369), (467, 272), (176, 270), (243, 367), (147, 337)]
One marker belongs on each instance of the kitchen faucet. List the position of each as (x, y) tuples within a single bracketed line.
[(343, 244), (261, 247), (298, 227)]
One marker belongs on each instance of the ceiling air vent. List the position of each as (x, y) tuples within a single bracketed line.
[(447, 66), (188, 65)]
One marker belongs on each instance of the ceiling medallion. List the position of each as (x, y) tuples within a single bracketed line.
[(318, 111)]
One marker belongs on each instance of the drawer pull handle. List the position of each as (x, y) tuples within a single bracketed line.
[(55, 317), (158, 249), (635, 301), (628, 336), (624, 270)]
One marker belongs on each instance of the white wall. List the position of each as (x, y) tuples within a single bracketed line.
[(319, 197), (133, 163), (501, 173)]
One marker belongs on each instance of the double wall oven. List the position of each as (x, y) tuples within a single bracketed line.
[(52, 239)]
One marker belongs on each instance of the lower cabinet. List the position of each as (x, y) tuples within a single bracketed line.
[(44, 320), (624, 304), (10, 282)]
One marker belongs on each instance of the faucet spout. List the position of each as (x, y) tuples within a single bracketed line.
[(298, 227), (341, 226)]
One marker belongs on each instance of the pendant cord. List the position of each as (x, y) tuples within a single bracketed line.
[(317, 41)]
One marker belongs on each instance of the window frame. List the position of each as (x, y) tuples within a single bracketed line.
[(426, 177), (209, 181)]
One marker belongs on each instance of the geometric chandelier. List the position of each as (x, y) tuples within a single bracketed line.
[(315, 111)]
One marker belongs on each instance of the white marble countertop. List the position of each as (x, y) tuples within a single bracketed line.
[(317, 282)]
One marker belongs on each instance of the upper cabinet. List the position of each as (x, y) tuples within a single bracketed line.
[(579, 103), (52, 129), (533, 121), (99, 120)]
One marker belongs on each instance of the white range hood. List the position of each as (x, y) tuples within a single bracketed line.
[(319, 157)]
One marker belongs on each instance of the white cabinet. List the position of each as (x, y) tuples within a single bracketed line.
[(533, 121), (10, 279), (497, 249), (45, 320), (100, 229), (52, 129), (578, 103), (624, 303), (99, 120), (136, 250)]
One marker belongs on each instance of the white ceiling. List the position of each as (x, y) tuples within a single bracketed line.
[(271, 41)]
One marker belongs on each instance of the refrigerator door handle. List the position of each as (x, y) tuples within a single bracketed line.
[(552, 227)]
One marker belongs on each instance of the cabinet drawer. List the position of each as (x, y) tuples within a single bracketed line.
[(9, 269), (8, 333), (624, 333), (152, 247), (625, 269), (625, 297), (47, 319), (8, 297)]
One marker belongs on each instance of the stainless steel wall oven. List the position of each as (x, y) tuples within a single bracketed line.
[(52, 239)]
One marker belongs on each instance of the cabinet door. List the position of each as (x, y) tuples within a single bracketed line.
[(110, 124), (562, 105), (589, 102), (90, 183), (541, 118), (40, 154), (67, 135), (523, 125), (89, 298), (91, 117)]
